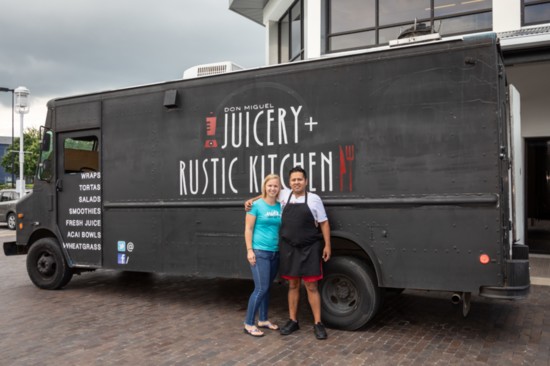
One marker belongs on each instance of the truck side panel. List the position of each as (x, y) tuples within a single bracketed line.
[(403, 146)]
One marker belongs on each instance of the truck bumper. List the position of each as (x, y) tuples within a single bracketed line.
[(517, 282), (11, 248)]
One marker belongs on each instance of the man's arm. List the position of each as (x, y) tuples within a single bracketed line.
[(327, 250), (285, 192), (320, 215), (248, 204)]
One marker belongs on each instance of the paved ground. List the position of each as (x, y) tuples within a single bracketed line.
[(110, 318)]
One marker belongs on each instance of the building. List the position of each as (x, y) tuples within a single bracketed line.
[(5, 142), (308, 29)]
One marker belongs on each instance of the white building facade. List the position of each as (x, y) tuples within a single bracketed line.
[(308, 29)]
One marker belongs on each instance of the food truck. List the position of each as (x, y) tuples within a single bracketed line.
[(414, 149)]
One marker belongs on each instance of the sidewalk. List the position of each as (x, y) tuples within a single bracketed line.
[(540, 269), (115, 318)]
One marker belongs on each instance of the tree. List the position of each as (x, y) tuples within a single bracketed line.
[(32, 151)]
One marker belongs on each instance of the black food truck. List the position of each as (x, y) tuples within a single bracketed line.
[(412, 149)]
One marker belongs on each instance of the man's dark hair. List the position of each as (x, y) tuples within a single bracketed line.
[(297, 169)]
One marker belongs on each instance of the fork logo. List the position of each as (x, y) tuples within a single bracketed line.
[(347, 156)]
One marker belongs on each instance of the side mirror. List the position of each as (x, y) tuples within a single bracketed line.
[(44, 169), (46, 142)]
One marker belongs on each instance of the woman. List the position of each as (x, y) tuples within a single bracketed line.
[(262, 247)]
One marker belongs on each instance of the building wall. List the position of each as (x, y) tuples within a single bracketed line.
[(533, 82), (4, 177), (527, 68), (506, 15), (273, 11), (532, 79)]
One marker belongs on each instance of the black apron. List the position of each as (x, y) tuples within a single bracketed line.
[(301, 242)]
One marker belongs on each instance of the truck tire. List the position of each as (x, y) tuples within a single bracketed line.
[(11, 221), (350, 296), (46, 265)]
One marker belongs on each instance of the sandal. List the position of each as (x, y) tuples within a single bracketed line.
[(254, 332), (267, 324)]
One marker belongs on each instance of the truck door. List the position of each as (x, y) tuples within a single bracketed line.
[(517, 191), (79, 196)]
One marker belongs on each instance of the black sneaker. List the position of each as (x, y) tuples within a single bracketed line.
[(290, 327), (320, 331)]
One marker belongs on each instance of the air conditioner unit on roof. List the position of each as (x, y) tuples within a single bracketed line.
[(210, 69)]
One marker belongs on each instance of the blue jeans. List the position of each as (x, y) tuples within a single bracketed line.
[(263, 272)]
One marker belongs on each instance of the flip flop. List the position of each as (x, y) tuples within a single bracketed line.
[(254, 332), (268, 325)]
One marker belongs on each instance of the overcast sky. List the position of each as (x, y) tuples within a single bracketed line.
[(57, 48)]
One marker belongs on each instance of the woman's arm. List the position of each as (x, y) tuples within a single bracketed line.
[(250, 221)]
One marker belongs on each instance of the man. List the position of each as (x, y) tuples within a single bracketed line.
[(304, 242)]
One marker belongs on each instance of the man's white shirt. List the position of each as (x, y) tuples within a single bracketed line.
[(314, 203)]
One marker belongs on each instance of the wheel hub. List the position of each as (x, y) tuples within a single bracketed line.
[(342, 290), (342, 294), (46, 265)]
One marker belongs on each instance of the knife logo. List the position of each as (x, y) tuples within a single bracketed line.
[(210, 132), (342, 169)]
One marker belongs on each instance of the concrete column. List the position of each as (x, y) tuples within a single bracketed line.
[(506, 15), (312, 28)]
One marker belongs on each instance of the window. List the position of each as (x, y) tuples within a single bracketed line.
[(9, 196), (536, 12), (391, 12), (350, 15), (81, 154), (291, 38), (457, 17), (452, 7), (353, 24), (466, 24)]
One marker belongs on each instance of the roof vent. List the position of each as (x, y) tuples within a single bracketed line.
[(210, 69), (416, 30), (419, 32)]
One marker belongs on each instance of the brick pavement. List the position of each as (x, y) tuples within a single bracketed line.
[(110, 318)]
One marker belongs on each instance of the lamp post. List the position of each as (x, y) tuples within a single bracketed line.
[(22, 107), (2, 89)]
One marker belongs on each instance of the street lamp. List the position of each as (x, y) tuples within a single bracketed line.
[(22, 107), (2, 89)]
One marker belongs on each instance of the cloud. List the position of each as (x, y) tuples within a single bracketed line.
[(35, 118), (58, 48)]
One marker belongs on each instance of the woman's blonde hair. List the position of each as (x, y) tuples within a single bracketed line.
[(267, 179)]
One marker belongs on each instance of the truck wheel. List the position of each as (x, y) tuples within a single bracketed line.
[(11, 221), (350, 296), (46, 265)]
